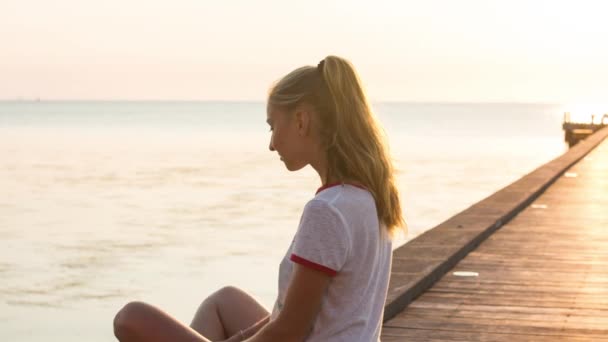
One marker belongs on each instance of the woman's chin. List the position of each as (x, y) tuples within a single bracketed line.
[(293, 167)]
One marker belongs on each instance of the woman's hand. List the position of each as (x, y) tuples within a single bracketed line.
[(247, 333), (238, 337)]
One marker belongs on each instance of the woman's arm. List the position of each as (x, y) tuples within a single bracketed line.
[(302, 304)]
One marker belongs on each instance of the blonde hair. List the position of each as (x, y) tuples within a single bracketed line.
[(349, 131)]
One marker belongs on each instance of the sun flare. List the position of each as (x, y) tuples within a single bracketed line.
[(587, 112)]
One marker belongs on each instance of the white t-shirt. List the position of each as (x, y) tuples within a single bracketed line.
[(339, 234)]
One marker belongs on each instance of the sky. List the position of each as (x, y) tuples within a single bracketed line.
[(445, 51)]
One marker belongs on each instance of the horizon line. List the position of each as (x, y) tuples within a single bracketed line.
[(39, 100)]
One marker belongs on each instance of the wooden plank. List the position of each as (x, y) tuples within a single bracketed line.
[(478, 333), (507, 300)]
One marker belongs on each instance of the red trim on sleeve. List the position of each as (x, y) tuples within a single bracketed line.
[(313, 265), (326, 186)]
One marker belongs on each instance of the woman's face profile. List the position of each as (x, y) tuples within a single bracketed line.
[(286, 138)]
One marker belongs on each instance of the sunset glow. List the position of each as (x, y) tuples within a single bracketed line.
[(462, 51)]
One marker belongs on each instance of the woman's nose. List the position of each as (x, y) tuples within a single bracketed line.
[(270, 147)]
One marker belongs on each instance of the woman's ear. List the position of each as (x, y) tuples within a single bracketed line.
[(303, 118)]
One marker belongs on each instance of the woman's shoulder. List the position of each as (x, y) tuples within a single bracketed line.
[(342, 192), (353, 205)]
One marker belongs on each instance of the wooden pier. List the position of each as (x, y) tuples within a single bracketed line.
[(528, 263), (577, 131)]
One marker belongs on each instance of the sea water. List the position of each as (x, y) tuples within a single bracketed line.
[(108, 202)]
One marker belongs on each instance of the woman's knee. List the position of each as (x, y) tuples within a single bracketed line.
[(222, 295), (129, 319), (228, 292)]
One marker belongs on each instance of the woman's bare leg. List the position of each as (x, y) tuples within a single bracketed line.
[(223, 314), (226, 312), (139, 322)]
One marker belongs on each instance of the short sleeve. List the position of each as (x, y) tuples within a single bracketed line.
[(321, 241)]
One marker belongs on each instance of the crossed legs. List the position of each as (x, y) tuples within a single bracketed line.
[(220, 316)]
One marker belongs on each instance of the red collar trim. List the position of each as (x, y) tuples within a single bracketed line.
[(327, 186)]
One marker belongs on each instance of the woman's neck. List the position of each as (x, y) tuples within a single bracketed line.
[(320, 165)]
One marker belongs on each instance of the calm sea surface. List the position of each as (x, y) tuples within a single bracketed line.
[(107, 202)]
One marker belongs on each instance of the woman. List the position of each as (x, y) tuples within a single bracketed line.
[(334, 278)]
